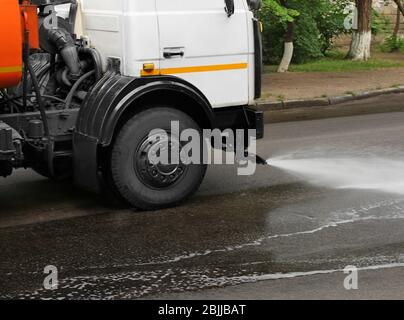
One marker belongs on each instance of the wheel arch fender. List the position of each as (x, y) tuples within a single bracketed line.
[(166, 92), (115, 98)]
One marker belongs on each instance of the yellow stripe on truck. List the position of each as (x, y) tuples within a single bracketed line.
[(10, 69), (218, 67)]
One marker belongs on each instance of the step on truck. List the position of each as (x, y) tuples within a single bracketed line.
[(83, 83)]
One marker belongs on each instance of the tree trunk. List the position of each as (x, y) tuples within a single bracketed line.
[(288, 51), (362, 38), (400, 5), (398, 22)]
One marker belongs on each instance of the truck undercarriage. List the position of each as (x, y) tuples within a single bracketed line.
[(38, 115)]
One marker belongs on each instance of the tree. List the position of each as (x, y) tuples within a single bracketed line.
[(330, 17), (362, 36), (398, 22), (310, 26), (400, 6), (288, 45), (286, 16), (395, 42)]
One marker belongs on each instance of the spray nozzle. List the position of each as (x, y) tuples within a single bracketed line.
[(261, 161)]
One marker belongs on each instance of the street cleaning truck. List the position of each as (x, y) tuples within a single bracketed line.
[(83, 83)]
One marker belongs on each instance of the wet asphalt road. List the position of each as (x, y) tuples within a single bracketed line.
[(268, 236)]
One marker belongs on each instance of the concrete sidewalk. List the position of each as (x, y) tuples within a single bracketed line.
[(310, 85), (383, 103)]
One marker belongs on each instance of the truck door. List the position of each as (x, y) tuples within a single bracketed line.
[(202, 45)]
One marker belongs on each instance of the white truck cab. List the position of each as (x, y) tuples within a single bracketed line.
[(191, 39), (106, 74)]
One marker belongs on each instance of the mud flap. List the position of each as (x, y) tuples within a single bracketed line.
[(85, 162)]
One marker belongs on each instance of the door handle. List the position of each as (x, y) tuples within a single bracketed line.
[(168, 54)]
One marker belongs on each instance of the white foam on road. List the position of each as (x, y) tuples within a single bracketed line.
[(112, 285), (291, 275), (335, 220)]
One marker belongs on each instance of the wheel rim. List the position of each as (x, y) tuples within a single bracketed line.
[(158, 175)]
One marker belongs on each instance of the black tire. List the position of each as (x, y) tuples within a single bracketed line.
[(129, 180)]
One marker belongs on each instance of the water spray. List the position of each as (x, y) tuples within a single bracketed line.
[(359, 173)]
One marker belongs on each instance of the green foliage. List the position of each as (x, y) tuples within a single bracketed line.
[(317, 22), (308, 44), (380, 24), (283, 14), (392, 44), (344, 65), (330, 21)]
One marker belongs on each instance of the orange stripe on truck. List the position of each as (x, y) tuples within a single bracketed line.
[(11, 69), (218, 67)]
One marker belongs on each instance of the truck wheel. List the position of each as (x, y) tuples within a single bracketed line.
[(143, 184)]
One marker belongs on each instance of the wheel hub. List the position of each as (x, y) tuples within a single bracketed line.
[(155, 174)]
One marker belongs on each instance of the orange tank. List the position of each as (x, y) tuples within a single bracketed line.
[(10, 44)]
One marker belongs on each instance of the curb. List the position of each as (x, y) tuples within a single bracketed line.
[(324, 102)]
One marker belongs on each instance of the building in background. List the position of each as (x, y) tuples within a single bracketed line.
[(389, 9)]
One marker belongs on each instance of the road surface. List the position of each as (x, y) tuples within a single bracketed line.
[(268, 236)]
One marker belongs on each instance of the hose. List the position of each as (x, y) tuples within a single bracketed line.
[(25, 77), (95, 56), (41, 106), (66, 47), (14, 99), (70, 96), (34, 80), (50, 98)]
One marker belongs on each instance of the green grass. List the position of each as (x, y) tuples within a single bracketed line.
[(339, 64)]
